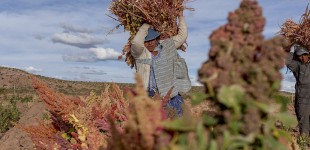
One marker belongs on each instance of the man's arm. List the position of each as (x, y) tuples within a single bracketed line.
[(137, 43), (180, 38), (291, 63)]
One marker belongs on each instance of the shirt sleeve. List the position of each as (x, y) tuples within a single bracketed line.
[(137, 43), (180, 38), (291, 63)]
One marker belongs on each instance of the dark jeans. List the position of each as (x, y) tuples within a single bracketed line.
[(175, 103), (302, 109)]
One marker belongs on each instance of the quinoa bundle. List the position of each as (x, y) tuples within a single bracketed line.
[(298, 33), (242, 61), (161, 14), (240, 55)]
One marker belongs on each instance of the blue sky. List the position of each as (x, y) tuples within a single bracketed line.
[(68, 39)]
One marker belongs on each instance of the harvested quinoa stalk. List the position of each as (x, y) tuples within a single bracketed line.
[(161, 14), (298, 33)]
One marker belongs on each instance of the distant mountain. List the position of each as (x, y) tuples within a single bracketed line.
[(17, 80)]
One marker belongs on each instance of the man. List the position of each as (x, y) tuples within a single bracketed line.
[(298, 63), (159, 65)]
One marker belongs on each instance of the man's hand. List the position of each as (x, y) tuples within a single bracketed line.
[(292, 50), (181, 12)]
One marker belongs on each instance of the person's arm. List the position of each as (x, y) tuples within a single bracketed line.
[(291, 63), (180, 38), (137, 43)]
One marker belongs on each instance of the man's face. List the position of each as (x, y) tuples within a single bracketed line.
[(150, 45), (303, 58)]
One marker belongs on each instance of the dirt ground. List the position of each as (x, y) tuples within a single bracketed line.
[(15, 138)]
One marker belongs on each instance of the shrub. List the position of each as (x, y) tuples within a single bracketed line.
[(242, 78), (8, 115), (77, 122), (2, 90)]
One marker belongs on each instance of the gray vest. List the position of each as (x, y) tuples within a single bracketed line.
[(170, 70)]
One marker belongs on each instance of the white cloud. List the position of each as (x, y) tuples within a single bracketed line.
[(81, 40), (78, 58), (288, 86), (38, 37), (288, 81), (58, 77), (88, 70), (82, 78), (194, 81), (93, 55), (96, 72), (32, 69), (105, 53), (71, 28)]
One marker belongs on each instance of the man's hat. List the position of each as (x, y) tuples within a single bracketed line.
[(151, 35), (300, 50)]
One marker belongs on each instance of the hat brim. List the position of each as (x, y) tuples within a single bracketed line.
[(152, 34), (302, 53)]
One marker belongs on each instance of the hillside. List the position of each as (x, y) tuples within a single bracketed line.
[(12, 79)]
